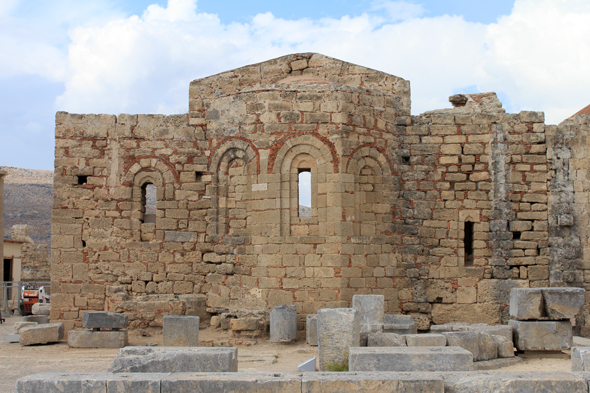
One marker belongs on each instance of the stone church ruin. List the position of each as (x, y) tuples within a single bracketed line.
[(442, 213)]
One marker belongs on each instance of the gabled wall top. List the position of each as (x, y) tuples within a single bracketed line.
[(313, 65)]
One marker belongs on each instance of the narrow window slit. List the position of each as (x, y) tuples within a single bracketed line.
[(304, 192), (468, 243), (149, 203), (82, 180)]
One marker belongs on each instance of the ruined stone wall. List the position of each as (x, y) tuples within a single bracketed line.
[(35, 262), (392, 199)]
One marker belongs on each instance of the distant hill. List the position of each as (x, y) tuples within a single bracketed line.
[(28, 195)]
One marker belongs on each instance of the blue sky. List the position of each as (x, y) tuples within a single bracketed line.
[(107, 56)]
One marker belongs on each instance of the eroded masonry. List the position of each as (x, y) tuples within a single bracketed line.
[(442, 213)]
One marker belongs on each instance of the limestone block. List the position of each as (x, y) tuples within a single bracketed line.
[(283, 323), (233, 382), (97, 339), (12, 338), (371, 311), (488, 348), (175, 359), (104, 319), (41, 309), (180, 331), (467, 340), (580, 359), (513, 382), (41, 334), (526, 303), (426, 340), (385, 340), (63, 382), (497, 330), (505, 347), (400, 324), (338, 330), (372, 382), (36, 318), (136, 382), (311, 329), (409, 359), (563, 303), (542, 335), (19, 325)]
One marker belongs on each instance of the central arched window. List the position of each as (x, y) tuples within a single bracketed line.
[(304, 192), (148, 200)]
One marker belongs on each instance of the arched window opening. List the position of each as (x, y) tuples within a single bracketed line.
[(468, 241), (304, 192), (148, 200)]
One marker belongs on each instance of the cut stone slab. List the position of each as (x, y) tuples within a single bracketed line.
[(496, 330), (13, 338), (175, 359), (378, 382), (542, 335), (371, 311), (311, 330), (385, 340), (180, 331), (283, 324), (563, 303), (409, 359), (338, 330), (104, 319), (19, 325), (41, 309), (580, 359), (233, 382), (495, 364), (97, 339), (466, 340), (400, 324), (36, 318), (513, 382), (41, 334), (526, 303), (505, 347), (426, 340), (308, 365)]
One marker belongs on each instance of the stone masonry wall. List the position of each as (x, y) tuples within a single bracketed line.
[(393, 197)]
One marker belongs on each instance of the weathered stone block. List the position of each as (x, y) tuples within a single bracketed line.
[(371, 311), (505, 347), (513, 382), (41, 309), (338, 330), (62, 382), (526, 303), (488, 348), (466, 340), (497, 330), (41, 334), (175, 359), (563, 303), (409, 359), (180, 331), (542, 335), (372, 382), (97, 339), (19, 325), (385, 340), (426, 340), (233, 382), (400, 324), (580, 358), (283, 323), (104, 319), (40, 319), (311, 329)]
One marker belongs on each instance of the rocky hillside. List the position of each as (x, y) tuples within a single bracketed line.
[(28, 200)]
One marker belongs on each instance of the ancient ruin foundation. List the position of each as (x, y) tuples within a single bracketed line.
[(441, 213)]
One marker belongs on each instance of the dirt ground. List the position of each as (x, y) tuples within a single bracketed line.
[(17, 362)]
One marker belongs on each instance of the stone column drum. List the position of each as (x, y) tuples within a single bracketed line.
[(283, 324), (338, 330)]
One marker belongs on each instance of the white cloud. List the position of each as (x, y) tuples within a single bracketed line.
[(538, 55)]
